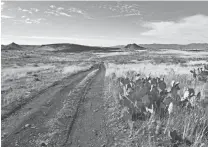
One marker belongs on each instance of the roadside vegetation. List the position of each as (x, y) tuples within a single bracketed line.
[(181, 126)]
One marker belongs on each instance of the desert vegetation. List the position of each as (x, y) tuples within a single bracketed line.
[(140, 112)]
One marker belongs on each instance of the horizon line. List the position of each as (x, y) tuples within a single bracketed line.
[(108, 46)]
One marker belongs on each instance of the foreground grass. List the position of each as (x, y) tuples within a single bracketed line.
[(190, 124)]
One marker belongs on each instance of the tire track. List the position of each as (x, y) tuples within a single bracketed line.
[(89, 128), (77, 111), (26, 126)]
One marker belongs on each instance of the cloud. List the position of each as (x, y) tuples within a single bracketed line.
[(52, 6), (29, 21), (68, 12), (35, 21), (57, 11), (122, 9), (60, 8), (6, 17), (24, 10), (79, 11), (189, 29), (31, 10), (51, 13), (64, 14), (2, 5), (35, 9), (76, 10)]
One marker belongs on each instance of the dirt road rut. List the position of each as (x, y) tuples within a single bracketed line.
[(68, 114)]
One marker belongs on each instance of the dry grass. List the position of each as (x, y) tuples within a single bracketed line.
[(147, 68), (183, 121), (112, 54), (17, 72), (183, 53), (75, 68), (18, 83)]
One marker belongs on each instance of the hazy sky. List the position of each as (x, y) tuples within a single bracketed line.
[(104, 23)]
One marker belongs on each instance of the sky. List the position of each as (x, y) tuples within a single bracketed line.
[(104, 23)]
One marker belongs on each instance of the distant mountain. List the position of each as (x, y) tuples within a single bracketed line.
[(66, 47), (12, 46), (176, 46), (134, 47), (2, 46)]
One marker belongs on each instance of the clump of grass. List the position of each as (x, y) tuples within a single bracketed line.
[(75, 68), (35, 65)]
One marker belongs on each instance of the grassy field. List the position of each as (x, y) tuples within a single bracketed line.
[(159, 64), (25, 72)]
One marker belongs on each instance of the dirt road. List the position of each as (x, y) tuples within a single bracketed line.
[(70, 113)]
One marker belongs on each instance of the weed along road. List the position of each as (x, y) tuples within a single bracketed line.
[(69, 113)]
